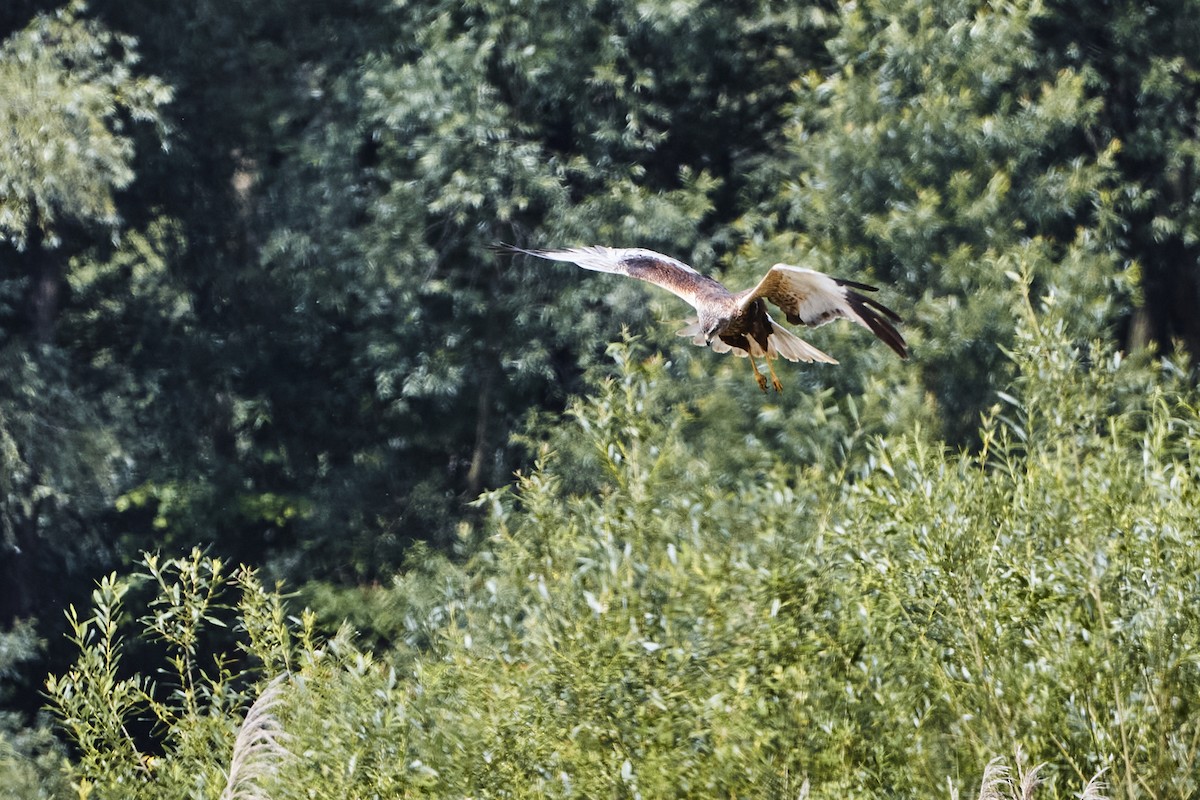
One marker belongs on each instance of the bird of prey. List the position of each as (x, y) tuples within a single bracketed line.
[(738, 321)]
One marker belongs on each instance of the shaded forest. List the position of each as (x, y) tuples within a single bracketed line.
[(277, 422)]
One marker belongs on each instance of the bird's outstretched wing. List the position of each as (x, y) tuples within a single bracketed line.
[(812, 298), (636, 262)]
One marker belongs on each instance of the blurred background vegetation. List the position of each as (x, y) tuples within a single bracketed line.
[(248, 316)]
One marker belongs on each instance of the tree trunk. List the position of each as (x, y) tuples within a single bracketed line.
[(483, 415), (43, 298), (16, 573)]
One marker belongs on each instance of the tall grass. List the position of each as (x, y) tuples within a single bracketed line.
[(258, 748)]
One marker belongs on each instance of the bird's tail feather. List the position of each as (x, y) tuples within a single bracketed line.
[(781, 342), (784, 343)]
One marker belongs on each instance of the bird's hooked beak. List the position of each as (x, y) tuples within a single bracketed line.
[(713, 330)]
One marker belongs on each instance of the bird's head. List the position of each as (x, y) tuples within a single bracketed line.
[(712, 325)]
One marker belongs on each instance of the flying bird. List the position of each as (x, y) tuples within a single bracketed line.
[(738, 322)]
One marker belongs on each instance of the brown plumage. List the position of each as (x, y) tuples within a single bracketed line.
[(738, 321)]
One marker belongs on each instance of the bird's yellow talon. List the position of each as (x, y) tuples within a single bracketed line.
[(758, 376), (774, 378)]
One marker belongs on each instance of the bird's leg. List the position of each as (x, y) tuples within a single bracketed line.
[(758, 376), (774, 378)]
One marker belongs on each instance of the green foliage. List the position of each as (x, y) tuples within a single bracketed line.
[(61, 460), (481, 123), (310, 359), (70, 93), (1137, 59), (171, 733), (941, 155), (650, 630), (32, 764), (876, 635), (73, 103), (287, 340)]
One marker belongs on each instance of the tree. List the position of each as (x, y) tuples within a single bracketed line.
[(1137, 61), (941, 154), (72, 93), (353, 358), (72, 97)]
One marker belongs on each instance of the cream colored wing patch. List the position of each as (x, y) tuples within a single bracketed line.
[(812, 298)]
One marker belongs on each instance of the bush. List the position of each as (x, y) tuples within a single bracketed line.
[(655, 630), (31, 760)]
